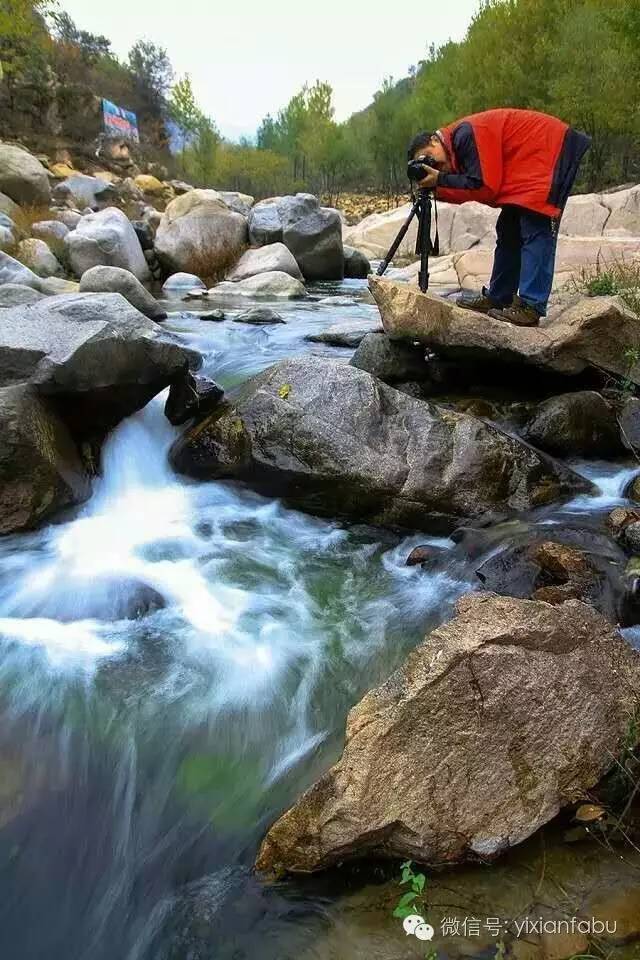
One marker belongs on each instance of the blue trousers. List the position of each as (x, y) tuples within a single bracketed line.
[(525, 258)]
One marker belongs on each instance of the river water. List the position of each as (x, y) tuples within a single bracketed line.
[(177, 661)]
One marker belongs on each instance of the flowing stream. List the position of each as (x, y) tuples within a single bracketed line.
[(176, 664)]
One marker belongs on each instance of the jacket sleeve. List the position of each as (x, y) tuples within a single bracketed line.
[(468, 162), (478, 151)]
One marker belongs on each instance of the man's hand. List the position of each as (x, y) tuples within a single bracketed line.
[(430, 181)]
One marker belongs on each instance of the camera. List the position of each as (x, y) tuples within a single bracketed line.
[(417, 169)]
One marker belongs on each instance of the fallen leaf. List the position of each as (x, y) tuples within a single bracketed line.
[(284, 391)]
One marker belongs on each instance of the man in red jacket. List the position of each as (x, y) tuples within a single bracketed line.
[(525, 163)]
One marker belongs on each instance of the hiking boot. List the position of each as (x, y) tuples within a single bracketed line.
[(519, 314), (479, 302)]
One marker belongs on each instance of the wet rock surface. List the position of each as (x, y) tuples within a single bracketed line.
[(580, 424), (40, 469), (191, 396)]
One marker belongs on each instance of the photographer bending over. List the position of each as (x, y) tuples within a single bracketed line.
[(525, 163)]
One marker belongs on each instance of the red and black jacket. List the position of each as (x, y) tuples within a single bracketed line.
[(511, 157)]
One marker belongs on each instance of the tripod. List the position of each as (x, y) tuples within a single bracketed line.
[(422, 210)]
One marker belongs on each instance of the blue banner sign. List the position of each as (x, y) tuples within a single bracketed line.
[(119, 122)]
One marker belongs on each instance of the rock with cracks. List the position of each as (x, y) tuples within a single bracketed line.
[(502, 717), (590, 333), (40, 470), (337, 441)]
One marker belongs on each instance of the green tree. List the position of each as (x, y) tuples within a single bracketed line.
[(24, 54), (91, 46), (152, 72), (204, 151), (184, 111)]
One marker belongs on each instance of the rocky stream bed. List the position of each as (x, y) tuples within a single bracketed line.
[(178, 660), (301, 579)]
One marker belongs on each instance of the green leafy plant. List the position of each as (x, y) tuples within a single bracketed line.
[(616, 278), (414, 899)]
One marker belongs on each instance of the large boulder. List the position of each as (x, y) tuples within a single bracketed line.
[(275, 256), (22, 177), (106, 239), (40, 470), (117, 280), (82, 191), (502, 717), (374, 235), (584, 216), (336, 440), (36, 255), (316, 242), (200, 234), (312, 233), (274, 285), (459, 228), (588, 333), (580, 424), (97, 356), (265, 224), (629, 423)]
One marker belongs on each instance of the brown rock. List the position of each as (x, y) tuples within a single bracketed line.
[(562, 562), (557, 593), (503, 716), (419, 555), (592, 332), (620, 518)]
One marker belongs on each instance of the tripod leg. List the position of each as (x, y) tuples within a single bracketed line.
[(424, 236), (398, 240)]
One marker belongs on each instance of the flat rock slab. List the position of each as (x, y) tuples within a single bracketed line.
[(589, 332), (348, 333)]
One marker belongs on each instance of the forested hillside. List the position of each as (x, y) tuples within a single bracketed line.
[(579, 59)]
